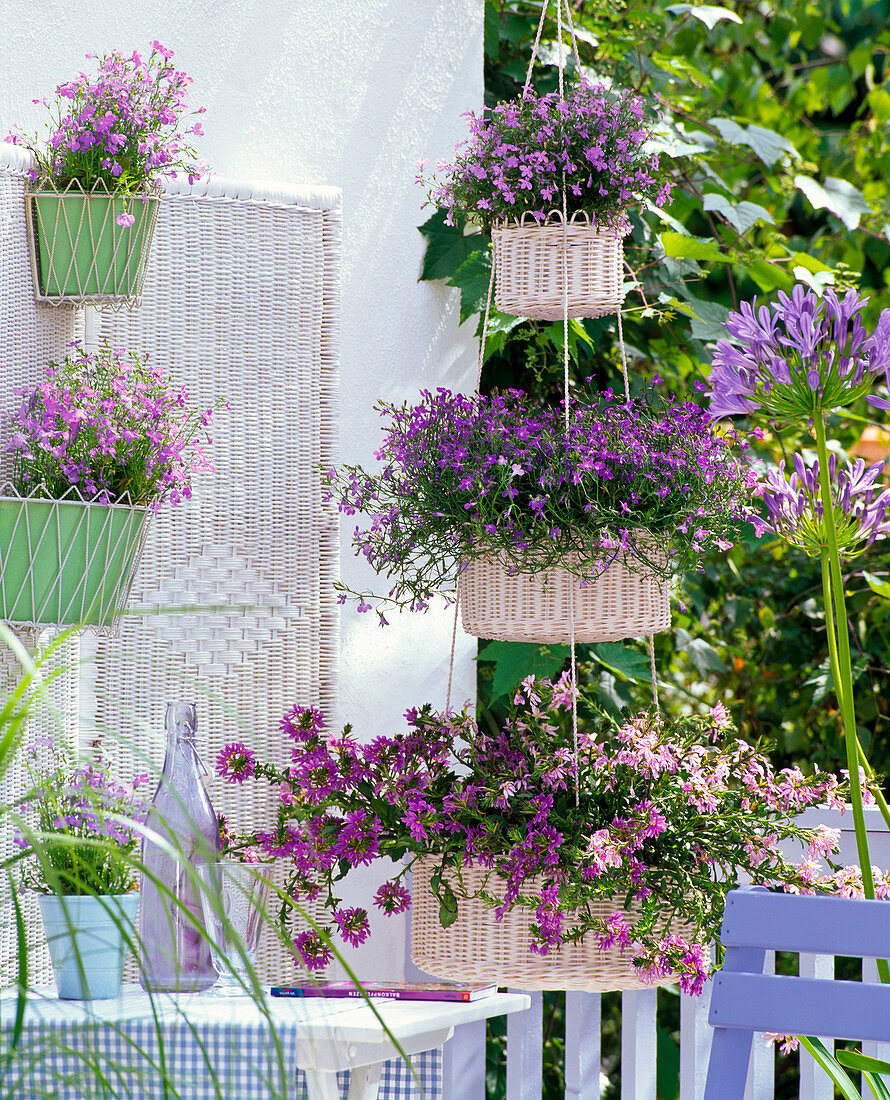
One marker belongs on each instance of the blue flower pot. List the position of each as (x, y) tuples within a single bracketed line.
[(87, 939)]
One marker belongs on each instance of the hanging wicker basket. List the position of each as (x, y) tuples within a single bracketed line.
[(531, 271), (67, 562), (479, 948), (80, 254), (627, 600)]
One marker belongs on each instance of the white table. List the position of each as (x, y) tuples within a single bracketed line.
[(320, 1036)]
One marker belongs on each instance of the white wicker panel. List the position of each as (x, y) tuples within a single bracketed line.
[(30, 336), (241, 303)]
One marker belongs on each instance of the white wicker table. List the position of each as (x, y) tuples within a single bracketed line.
[(219, 1047)]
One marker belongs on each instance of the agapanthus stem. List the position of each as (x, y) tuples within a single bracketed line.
[(841, 666)]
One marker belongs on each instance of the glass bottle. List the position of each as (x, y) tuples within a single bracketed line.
[(175, 955)]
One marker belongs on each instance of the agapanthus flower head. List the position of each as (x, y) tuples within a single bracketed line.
[(801, 355), (794, 510), (522, 154)]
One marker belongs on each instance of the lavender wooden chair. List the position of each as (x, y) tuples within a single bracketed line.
[(745, 1000)]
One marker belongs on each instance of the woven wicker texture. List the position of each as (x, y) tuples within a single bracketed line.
[(241, 303), (30, 335), (530, 268), (79, 253), (479, 948), (537, 607)]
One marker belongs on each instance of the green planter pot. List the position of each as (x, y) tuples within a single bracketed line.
[(79, 253), (63, 562)]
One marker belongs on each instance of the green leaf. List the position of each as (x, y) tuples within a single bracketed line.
[(854, 1059), (769, 276), (767, 144), (837, 196), (472, 279), (447, 907), (447, 247), (492, 32), (667, 1065), (741, 215), (831, 1066), (879, 587), (691, 248), (705, 658), (620, 658), (708, 318), (516, 660), (709, 14)]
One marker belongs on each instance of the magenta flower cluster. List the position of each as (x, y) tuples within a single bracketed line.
[(83, 838), (798, 356), (110, 426), (462, 477), (120, 129), (523, 154), (672, 813), (795, 513)]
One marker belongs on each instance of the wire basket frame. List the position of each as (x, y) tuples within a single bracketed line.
[(79, 252), (67, 562), (479, 948), (627, 600), (534, 262)]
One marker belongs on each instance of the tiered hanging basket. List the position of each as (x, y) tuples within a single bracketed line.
[(79, 252), (479, 948), (627, 600), (534, 261), (66, 562)]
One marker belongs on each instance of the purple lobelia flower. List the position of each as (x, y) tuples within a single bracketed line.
[(798, 356), (795, 513)]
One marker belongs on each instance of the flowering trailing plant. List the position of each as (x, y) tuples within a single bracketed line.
[(120, 129), (463, 477), (109, 424), (668, 815), (85, 838), (796, 360), (522, 154)]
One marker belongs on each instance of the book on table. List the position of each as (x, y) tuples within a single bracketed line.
[(394, 991)]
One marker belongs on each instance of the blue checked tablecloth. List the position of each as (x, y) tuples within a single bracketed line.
[(205, 1048)]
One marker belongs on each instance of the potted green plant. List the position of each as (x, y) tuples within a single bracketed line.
[(79, 856), (538, 861), (543, 526), (551, 178), (96, 447), (93, 199)]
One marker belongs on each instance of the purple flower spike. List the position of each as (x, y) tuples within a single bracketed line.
[(800, 356), (795, 513)]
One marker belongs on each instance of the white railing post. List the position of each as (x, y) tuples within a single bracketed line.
[(695, 1043), (870, 974), (582, 1051), (638, 1044), (463, 1063), (815, 1084), (762, 1067), (525, 1046)]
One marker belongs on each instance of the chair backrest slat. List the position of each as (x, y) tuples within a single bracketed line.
[(800, 1006), (816, 925)]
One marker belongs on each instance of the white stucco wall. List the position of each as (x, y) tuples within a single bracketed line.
[(347, 93)]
